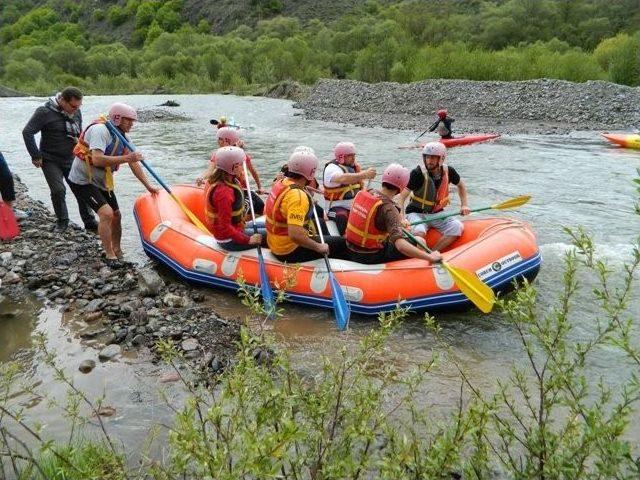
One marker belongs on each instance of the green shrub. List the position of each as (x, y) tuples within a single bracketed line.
[(117, 15)]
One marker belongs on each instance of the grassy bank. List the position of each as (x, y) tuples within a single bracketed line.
[(406, 42)]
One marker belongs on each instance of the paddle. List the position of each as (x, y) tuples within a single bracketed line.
[(9, 228), (341, 310), (195, 220), (469, 284), (265, 286), (511, 203)]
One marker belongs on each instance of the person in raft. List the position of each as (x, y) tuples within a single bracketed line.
[(374, 230), (442, 126), (219, 123), (224, 201), (98, 154), (229, 137), (343, 179), (290, 220), (428, 192)]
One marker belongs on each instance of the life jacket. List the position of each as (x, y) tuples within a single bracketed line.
[(426, 198), (115, 148), (343, 192), (276, 221), (362, 232), (237, 207)]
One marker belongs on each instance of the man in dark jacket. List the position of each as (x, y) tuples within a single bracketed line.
[(59, 122)]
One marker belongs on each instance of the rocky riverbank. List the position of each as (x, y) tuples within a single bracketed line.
[(535, 106), (120, 309)]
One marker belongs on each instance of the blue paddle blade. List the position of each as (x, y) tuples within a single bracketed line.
[(341, 309), (266, 291)]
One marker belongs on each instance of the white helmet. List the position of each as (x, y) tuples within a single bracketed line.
[(435, 148), (302, 148), (303, 163)]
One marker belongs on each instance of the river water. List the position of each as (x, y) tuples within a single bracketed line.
[(575, 180)]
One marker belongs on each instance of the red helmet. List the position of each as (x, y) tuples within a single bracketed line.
[(442, 114), (227, 158), (118, 111), (231, 135), (396, 175), (303, 162), (343, 148)]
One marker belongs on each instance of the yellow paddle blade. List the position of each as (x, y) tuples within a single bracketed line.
[(513, 203), (195, 220), (475, 289)]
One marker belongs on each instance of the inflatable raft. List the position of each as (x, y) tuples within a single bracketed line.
[(498, 250), (458, 141), (624, 140)]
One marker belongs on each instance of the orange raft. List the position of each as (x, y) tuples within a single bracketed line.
[(498, 250)]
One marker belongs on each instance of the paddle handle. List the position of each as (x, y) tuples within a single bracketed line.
[(131, 147)]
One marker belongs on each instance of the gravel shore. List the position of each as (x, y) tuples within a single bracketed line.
[(120, 309), (535, 106)]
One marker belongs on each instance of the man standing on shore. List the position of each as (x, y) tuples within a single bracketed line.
[(59, 122)]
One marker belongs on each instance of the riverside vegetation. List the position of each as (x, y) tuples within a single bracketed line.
[(165, 45), (355, 416)]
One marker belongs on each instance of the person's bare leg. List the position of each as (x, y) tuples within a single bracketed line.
[(105, 221), (443, 242), (116, 233)]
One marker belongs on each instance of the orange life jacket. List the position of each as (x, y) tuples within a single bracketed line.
[(361, 226), (237, 214), (276, 220), (426, 198), (343, 192), (115, 148)]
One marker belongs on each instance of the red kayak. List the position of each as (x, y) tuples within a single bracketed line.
[(458, 141), (626, 140)]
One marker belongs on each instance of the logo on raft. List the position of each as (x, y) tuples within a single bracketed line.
[(500, 264)]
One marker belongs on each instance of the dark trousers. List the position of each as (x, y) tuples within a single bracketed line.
[(56, 173), (388, 254), (337, 249), (7, 190)]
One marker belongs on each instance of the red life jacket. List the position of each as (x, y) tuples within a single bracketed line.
[(362, 232), (276, 219), (237, 214), (426, 198), (115, 148), (343, 192)]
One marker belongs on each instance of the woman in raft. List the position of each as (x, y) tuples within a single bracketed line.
[(224, 201)]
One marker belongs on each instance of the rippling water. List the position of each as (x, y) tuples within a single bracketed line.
[(575, 180)]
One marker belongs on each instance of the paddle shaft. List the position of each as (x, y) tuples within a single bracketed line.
[(440, 216), (113, 129), (265, 286)]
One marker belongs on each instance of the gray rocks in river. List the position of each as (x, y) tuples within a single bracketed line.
[(533, 106), (159, 114), (67, 271)]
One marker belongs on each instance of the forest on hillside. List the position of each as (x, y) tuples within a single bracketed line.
[(143, 45)]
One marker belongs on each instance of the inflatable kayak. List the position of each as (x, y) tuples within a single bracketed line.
[(624, 140), (458, 141), (498, 250)]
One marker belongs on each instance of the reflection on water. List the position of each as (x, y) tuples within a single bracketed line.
[(575, 179), (17, 320)]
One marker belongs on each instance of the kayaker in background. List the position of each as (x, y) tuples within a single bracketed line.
[(374, 231), (229, 137), (225, 201), (442, 126), (98, 154), (219, 123), (290, 223), (428, 189), (342, 179)]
